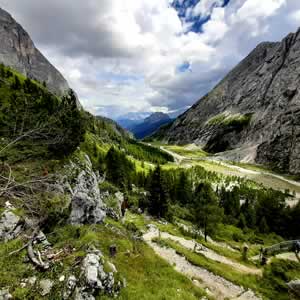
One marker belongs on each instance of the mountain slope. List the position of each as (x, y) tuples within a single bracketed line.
[(19, 52), (150, 125), (255, 109)]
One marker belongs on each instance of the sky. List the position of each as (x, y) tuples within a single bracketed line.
[(128, 57)]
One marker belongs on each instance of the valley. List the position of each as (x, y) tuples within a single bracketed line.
[(190, 155), (89, 212)]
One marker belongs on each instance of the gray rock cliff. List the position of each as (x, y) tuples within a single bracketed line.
[(18, 51), (255, 107)]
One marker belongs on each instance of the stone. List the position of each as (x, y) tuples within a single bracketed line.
[(10, 225), (42, 239), (94, 278), (90, 268), (70, 287), (87, 206), (5, 295), (61, 278), (45, 286), (32, 280), (294, 287), (80, 294)]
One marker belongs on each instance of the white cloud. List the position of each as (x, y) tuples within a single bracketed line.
[(205, 7), (123, 56)]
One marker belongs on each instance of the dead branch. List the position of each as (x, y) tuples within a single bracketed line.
[(18, 250)]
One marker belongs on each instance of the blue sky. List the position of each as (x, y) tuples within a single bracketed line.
[(134, 56), (183, 8)]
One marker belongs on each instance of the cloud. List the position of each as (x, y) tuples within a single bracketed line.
[(205, 7), (124, 56)]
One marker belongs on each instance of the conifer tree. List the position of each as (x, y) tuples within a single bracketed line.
[(263, 226), (158, 200), (183, 189), (207, 212)]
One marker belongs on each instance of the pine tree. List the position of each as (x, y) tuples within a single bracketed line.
[(183, 189), (242, 221), (207, 212), (16, 84), (263, 225), (158, 200)]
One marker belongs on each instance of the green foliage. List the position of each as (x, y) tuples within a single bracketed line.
[(207, 212), (237, 120), (158, 200), (263, 226), (119, 170), (108, 187), (146, 152), (34, 122)]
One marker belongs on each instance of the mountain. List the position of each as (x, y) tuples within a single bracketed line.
[(128, 124), (150, 125), (18, 51), (254, 111)]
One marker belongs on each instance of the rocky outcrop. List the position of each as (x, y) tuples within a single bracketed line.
[(10, 224), (87, 206), (294, 288), (19, 52), (94, 279), (256, 106), (5, 295)]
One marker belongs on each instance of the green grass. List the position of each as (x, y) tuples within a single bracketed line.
[(186, 151), (236, 120), (147, 275)]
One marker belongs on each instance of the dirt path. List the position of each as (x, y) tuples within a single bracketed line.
[(191, 245), (178, 158), (219, 287)]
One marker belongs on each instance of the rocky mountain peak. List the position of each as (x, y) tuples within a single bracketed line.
[(254, 111), (157, 117), (18, 51)]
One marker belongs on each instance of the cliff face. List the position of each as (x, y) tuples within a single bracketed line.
[(255, 107), (18, 52)]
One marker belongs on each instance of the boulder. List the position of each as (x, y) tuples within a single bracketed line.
[(5, 295), (294, 287), (70, 287), (94, 278), (46, 286), (10, 224), (87, 206)]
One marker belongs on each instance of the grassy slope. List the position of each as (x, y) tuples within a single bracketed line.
[(147, 276)]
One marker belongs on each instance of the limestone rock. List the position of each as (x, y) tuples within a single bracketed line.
[(94, 278), (10, 225), (70, 286), (264, 87), (294, 287), (19, 52), (46, 286), (5, 295), (87, 205)]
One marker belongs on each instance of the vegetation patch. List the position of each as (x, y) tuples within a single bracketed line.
[(237, 120)]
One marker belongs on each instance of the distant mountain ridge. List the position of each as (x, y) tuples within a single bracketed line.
[(150, 125), (18, 51), (254, 111)]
